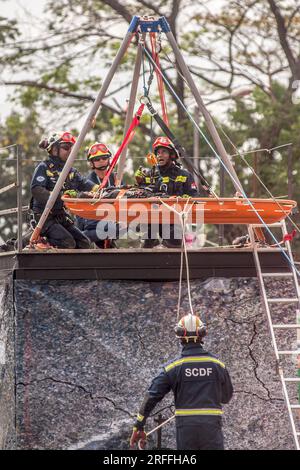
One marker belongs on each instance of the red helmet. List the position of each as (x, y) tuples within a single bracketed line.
[(98, 150), (59, 137), (166, 143)]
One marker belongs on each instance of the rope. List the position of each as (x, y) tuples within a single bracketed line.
[(182, 217), (8, 147), (292, 264), (151, 73), (254, 172), (239, 153), (257, 150)]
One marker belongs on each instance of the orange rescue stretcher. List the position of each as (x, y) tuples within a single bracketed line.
[(199, 210)]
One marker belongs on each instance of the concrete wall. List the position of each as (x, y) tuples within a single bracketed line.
[(7, 366), (86, 352)]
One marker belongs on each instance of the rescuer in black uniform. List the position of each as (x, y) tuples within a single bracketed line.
[(200, 383), (98, 156), (167, 176), (59, 228)]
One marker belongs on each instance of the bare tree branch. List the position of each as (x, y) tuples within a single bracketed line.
[(151, 7), (119, 8), (282, 33)]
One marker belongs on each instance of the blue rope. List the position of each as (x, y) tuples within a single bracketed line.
[(222, 163)]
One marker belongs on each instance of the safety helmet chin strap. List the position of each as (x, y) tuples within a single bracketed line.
[(57, 154), (102, 168)]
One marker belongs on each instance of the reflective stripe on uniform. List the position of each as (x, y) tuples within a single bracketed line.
[(147, 179), (140, 417), (198, 411), (95, 188), (166, 179), (181, 179), (193, 359)]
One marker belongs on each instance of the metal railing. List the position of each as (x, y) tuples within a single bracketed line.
[(18, 151)]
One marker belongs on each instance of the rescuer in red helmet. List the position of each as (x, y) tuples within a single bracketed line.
[(170, 178), (59, 228)]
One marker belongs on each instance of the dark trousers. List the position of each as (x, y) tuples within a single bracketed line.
[(61, 232), (205, 436), (172, 236)]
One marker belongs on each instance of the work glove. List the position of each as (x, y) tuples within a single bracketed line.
[(138, 437), (70, 193)]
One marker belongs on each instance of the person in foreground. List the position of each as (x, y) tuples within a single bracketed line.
[(200, 383)]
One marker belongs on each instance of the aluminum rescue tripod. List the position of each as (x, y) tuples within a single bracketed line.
[(142, 26)]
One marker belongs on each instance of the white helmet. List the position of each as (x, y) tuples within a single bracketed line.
[(190, 327)]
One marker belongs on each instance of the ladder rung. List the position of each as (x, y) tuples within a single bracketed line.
[(277, 274), (276, 224), (295, 407), (289, 352), (287, 325), (283, 300), (292, 379)]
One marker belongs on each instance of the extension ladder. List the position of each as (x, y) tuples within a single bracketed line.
[(293, 408)]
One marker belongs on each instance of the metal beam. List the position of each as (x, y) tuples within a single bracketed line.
[(13, 210), (7, 188), (132, 264), (19, 195)]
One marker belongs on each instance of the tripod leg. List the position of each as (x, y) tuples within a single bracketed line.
[(86, 127), (130, 110)]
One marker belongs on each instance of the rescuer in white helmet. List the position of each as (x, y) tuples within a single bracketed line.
[(200, 383)]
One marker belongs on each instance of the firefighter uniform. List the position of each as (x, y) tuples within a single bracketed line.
[(59, 228), (200, 383), (89, 227), (174, 181)]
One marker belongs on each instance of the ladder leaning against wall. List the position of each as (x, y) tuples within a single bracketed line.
[(285, 358)]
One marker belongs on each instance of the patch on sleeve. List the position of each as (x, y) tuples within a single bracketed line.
[(40, 179), (194, 186)]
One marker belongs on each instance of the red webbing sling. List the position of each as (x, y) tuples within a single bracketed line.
[(160, 82), (127, 139)]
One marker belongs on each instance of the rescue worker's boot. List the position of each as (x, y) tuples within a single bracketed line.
[(150, 243), (240, 242), (172, 243)]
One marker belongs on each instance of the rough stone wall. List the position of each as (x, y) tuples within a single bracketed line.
[(7, 361), (86, 352)]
